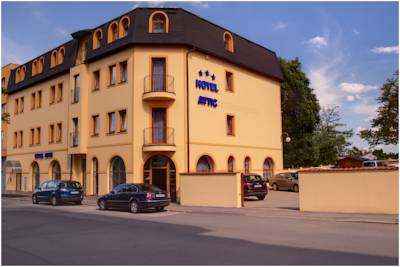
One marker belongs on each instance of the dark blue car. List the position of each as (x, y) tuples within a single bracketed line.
[(58, 191), (134, 197)]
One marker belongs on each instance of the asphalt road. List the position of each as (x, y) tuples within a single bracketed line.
[(68, 235)]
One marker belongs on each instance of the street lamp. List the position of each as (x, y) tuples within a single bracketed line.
[(287, 138)]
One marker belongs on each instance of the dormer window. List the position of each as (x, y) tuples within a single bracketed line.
[(60, 55), (23, 73), (97, 37), (18, 75), (53, 60), (112, 32), (124, 26), (41, 65), (158, 22), (228, 40), (35, 66)]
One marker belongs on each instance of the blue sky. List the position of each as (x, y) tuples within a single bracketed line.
[(348, 49)]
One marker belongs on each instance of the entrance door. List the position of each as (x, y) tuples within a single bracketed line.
[(84, 176), (18, 177), (159, 126), (159, 178)]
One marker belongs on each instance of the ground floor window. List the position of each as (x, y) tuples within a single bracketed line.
[(35, 175), (205, 164), (231, 162), (117, 172), (55, 170), (268, 167), (247, 162)]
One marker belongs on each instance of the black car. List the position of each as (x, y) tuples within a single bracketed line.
[(58, 191), (254, 185), (134, 197)]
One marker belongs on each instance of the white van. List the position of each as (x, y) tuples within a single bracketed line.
[(374, 163)]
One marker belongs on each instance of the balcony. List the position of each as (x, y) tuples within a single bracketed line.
[(158, 139), (159, 88), (74, 139)]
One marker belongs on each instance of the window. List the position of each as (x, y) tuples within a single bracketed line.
[(38, 137), (16, 104), (95, 125), (75, 133), (21, 139), (60, 55), (229, 81), (3, 83), (33, 100), (123, 71), (96, 80), (228, 41), (59, 92), (158, 73), (230, 125), (97, 37), (122, 120), (205, 164), (55, 171), (59, 132), (34, 67), (113, 74), (111, 122), (53, 59), (41, 65), (231, 163), (117, 172), (124, 26), (158, 22), (23, 73), (15, 139), (268, 169), (77, 89), (52, 94), (21, 105), (112, 32), (247, 162), (39, 99), (18, 75), (51, 134), (31, 136), (3, 108)]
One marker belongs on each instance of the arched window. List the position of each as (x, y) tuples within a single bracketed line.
[(35, 66), (158, 22), (247, 163), (112, 32), (53, 60), (23, 73), (35, 175), (61, 55), (205, 164), (124, 26), (231, 163), (117, 172), (18, 75), (268, 168), (55, 170), (97, 37), (41, 65), (95, 176), (228, 40)]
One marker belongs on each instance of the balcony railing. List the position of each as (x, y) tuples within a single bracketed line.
[(158, 136), (74, 137), (158, 83)]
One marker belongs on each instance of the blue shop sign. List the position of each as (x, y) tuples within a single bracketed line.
[(48, 155), (38, 155)]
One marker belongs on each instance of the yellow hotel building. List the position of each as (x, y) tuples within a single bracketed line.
[(142, 98)]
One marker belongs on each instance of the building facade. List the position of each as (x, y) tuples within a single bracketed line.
[(142, 98)]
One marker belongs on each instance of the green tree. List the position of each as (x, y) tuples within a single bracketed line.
[(300, 115), (382, 155), (355, 152), (385, 127), (330, 140)]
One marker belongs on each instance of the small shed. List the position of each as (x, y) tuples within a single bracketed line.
[(350, 162)]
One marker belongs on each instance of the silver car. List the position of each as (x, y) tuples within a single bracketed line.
[(285, 181)]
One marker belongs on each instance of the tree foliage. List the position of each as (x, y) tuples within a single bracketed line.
[(385, 127)]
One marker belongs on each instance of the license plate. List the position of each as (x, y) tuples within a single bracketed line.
[(74, 193), (257, 186), (160, 195)]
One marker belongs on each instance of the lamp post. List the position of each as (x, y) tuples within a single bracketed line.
[(287, 138)]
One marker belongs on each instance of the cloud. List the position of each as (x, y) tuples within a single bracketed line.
[(350, 98), (323, 80), (365, 108), (280, 25), (359, 129), (386, 50), (42, 18), (62, 32), (356, 32), (318, 41), (200, 4), (356, 88), (15, 52)]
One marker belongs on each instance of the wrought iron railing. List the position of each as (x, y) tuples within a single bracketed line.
[(158, 136), (158, 83)]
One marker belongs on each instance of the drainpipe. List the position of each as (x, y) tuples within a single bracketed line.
[(187, 109)]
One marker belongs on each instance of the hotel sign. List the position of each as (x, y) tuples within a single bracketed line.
[(202, 84)]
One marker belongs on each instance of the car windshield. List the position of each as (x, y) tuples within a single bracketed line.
[(253, 178), (294, 175), (71, 184), (149, 187)]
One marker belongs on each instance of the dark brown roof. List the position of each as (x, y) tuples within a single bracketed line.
[(185, 29)]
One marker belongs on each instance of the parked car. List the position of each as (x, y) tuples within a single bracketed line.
[(58, 191), (373, 163), (285, 181), (134, 197), (254, 185)]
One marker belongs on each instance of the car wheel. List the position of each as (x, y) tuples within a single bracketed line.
[(296, 188), (34, 199), (261, 197), (53, 201), (134, 207), (275, 187), (159, 209), (102, 204)]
